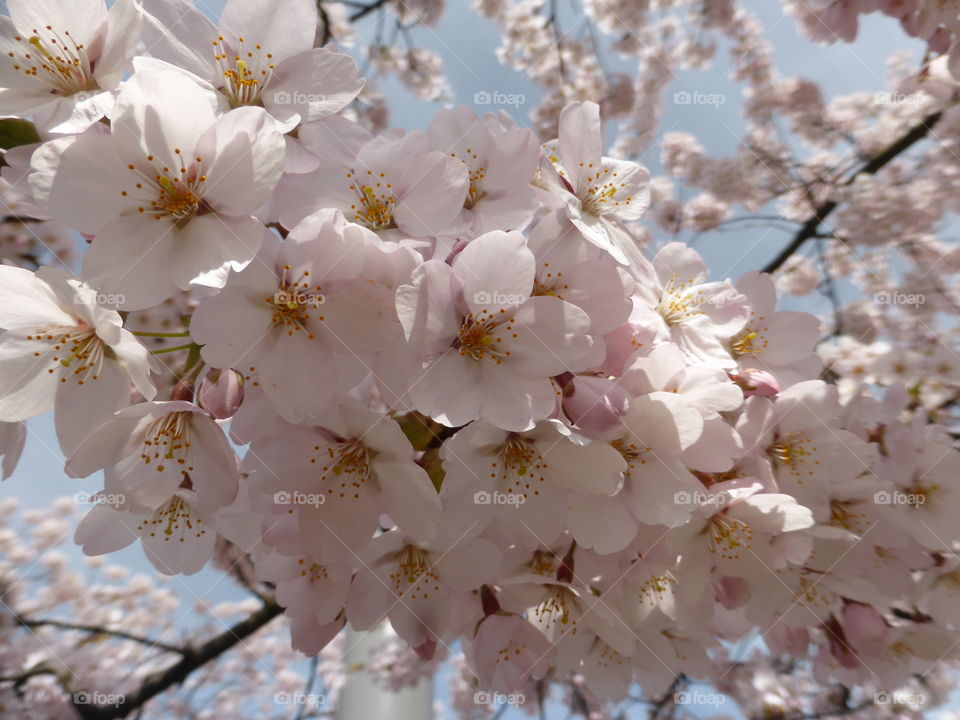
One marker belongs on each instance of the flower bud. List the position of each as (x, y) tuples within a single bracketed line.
[(757, 382), (221, 392), (596, 404)]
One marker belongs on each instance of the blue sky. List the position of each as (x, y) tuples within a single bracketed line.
[(467, 43)]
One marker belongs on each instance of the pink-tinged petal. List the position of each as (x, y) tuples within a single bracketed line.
[(664, 422), (409, 498), (289, 377), (601, 523), (679, 264), (159, 112), (773, 513), (215, 469), (125, 21), (86, 190), (82, 19), (335, 139), (468, 564), (580, 140), (105, 530), (136, 362), (359, 317), (28, 302), (129, 259), (282, 34), (309, 637), (553, 337), (717, 449), (567, 460), (341, 526), (244, 153), (451, 390), (434, 187), (105, 445), (208, 246), (427, 308), (26, 388), (80, 409), (513, 402), (496, 271), (179, 33), (176, 540), (631, 183), (13, 437), (313, 84), (369, 600), (233, 326)]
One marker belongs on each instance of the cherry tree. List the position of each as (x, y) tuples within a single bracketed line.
[(468, 403)]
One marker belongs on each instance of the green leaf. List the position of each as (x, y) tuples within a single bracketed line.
[(16, 131)]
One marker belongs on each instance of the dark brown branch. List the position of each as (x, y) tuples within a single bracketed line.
[(178, 672), (96, 630), (811, 226), (367, 9)]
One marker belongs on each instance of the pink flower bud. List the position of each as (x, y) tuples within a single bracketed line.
[(596, 404), (732, 592), (757, 382), (865, 628), (221, 392)]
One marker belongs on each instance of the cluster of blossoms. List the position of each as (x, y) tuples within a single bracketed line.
[(469, 398)]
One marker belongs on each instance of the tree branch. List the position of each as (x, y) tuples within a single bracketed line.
[(878, 161), (96, 630), (367, 9), (177, 673)]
